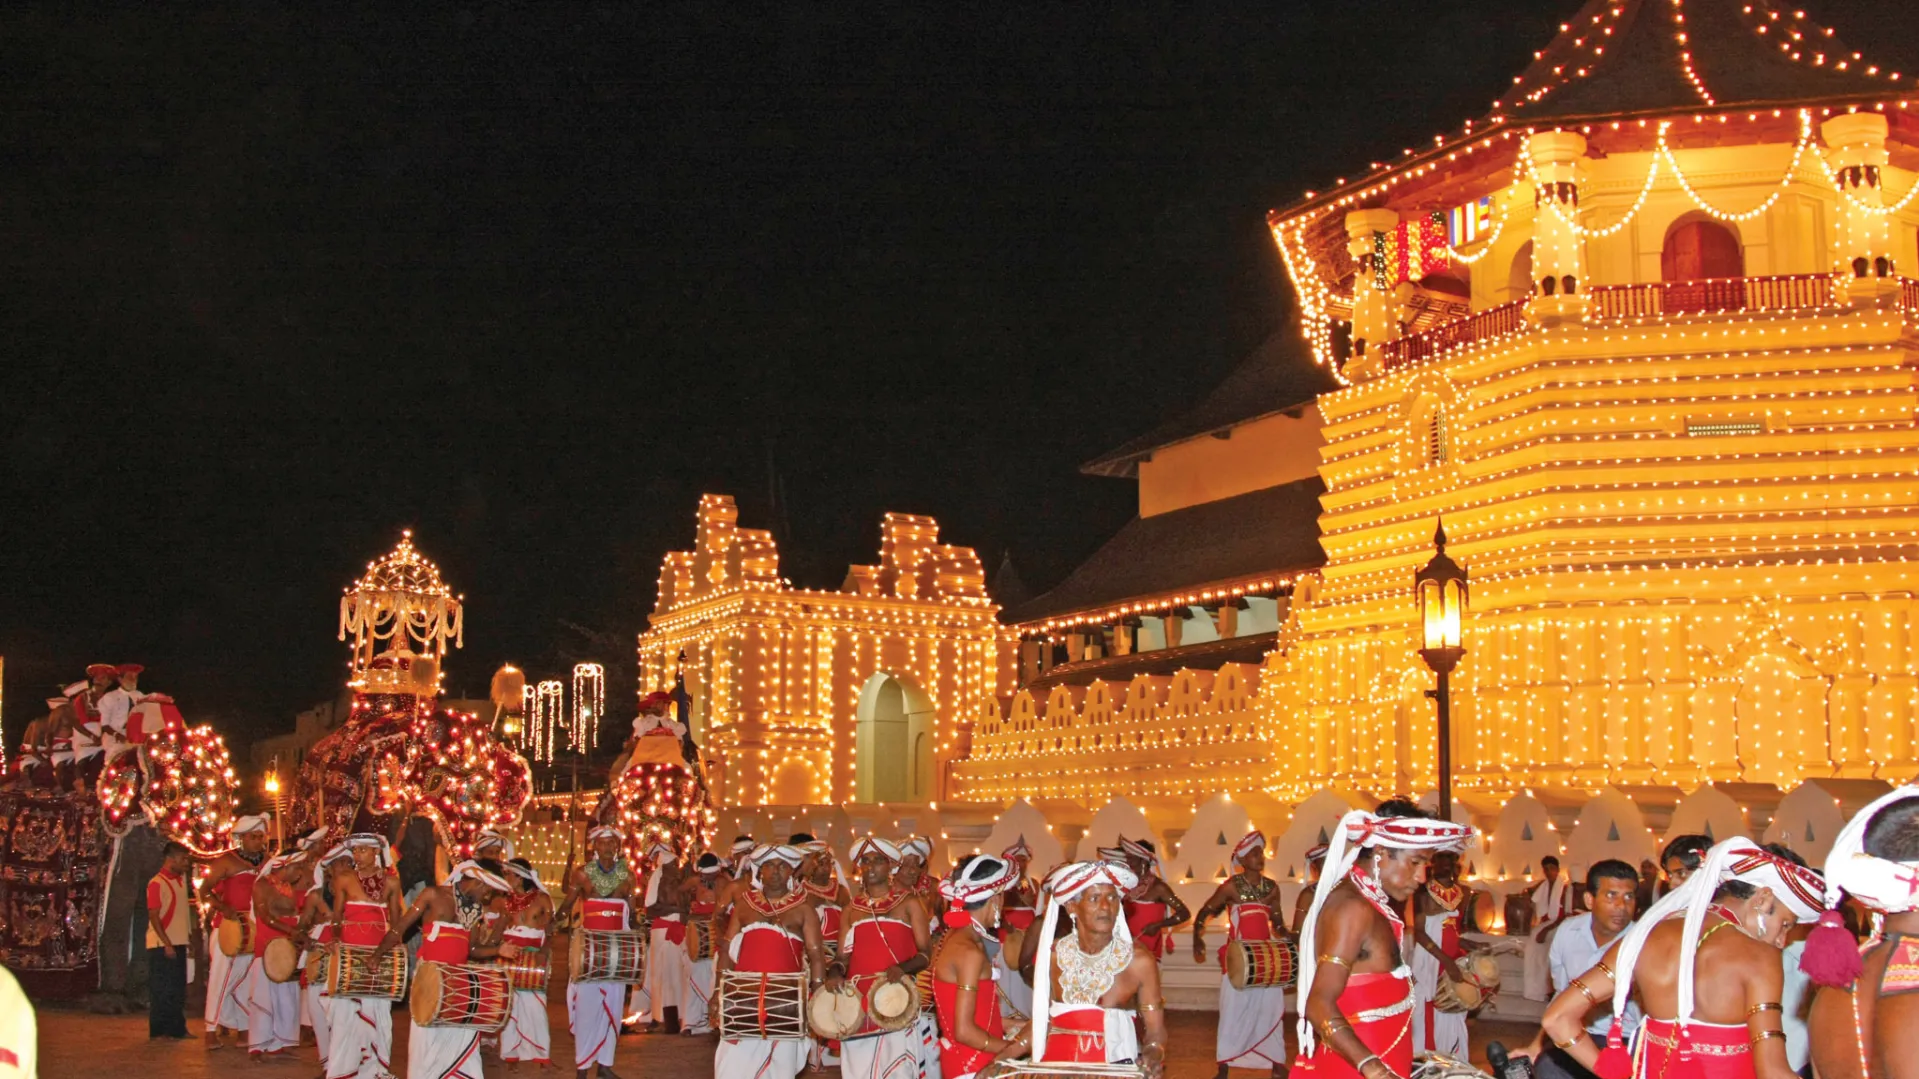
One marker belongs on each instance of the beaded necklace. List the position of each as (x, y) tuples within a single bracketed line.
[(772, 908), (1255, 892), (1369, 887), (606, 881), (1083, 979)]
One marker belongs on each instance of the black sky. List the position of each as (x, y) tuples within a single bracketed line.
[(281, 281)]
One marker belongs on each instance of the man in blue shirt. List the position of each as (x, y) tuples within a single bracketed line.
[(1612, 893)]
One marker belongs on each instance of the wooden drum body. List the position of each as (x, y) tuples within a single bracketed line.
[(607, 956), (532, 969), (236, 936), (354, 973), (472, 996), (1261, 964), (281, 960), (699, 940), (319, 968), (766, 1006)]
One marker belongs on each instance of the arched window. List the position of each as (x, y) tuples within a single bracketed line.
[(1428, 444), (1519, 279), (1699, 249), (1435, 441)]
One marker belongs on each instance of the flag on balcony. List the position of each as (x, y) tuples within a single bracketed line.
[(1470, 222), (1410, 251)]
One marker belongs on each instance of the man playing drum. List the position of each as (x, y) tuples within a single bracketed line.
[(1859, 1011), (453, 914), (1016, 923), (1355, 991), (527, 913), (734, 879), (666, 953), (273, 1007), (885, 939), (699, 892), (1088, 984), (366, 901), (316, 929), (229, 890), (1252, 1021), (1709, 982), (607, 889), (972, 1033), (1437, 949), (772, 931)]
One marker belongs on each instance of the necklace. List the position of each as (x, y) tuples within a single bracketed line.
[(893, 897), (469, 911), (1370, 888), (1447, 895), (1083, 979), (251, 859), (373, 884), (1259, 889), (605, 881), (771, 908)]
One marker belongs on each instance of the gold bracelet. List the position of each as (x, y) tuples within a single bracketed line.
[(1336, 960), (1764, 1034), (1581, 986), (968, 988), (1570, 1042), (1331, 1027), (1767, 1006)]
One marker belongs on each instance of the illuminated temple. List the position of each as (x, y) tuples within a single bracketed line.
[(1643, 336)]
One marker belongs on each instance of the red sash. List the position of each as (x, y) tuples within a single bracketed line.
[(1077, 1036), (445, 942), (363, 924), (1701, 1051), (604, 915), (770, 949), (1389, 1035)]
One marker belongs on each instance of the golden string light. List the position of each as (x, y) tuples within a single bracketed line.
[(589, 707)]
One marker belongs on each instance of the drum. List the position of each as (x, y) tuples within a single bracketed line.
[(281, 960), (893, 1005), (1477, 979), (319, 965), (923, 981), (236, 936), (1049, 1069), (1430, 1065), (757, 1005), (699, 940), (835, 1014), (354, 973), (1258, 964), (607, 956), (469, 995), (531, 969)]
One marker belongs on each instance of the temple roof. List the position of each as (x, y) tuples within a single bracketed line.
[(1620, 57), (1280, 374), (1270, 531)]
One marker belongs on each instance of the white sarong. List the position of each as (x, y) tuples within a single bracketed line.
[(666, 964), (1252, 1026), (1434, 1030), (758, 1058), (593, 1014), (882, 1056), (526, 1036), (697, 991), (359, 1038), (273, 1012), (227, 989), (442, 1053), (313, 1002)]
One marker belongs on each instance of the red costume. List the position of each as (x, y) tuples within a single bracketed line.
[(1140, 914), (1700, 1051), (958, 1061), (1380, 1009), (445, 942)]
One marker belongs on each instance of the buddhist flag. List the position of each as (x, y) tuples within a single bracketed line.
[(1470, 222)]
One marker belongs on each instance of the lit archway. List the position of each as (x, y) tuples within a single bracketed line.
[(1697, 248), (894, 742), (794, 784)]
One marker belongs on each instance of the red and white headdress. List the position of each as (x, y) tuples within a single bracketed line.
[(774, 853), (1133, 848), (474, 871), (1831, 956), (1738, 858), (253, 823), (603, 831), (1019, 849), (873, 844), (1111, 855), (490, 838), (527, 875), (1250, 842), (1062, 886), (983, 878), (919, 845), (1358, 830)]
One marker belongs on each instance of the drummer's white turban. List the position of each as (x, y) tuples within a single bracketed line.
[(491, 838), (603, 831), (983, 878), (774, 853), (249, 824), (919, 845), (1248, 843), (1831, 956), (875, 845), (1133, 848), (475, 871), (528, 875)]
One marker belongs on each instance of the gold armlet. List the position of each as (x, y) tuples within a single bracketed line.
[(1152, 1007), (1608, 970), (1336, 961), (1768, 1006), (1570, 1042), (1331, 1027), (1764, 1034), (968, 988), (1581, 986)]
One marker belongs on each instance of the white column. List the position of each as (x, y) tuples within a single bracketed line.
[(1373, 320), (1559, 280), (1863, 255)]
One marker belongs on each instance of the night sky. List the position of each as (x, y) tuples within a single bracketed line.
[(280, 283)]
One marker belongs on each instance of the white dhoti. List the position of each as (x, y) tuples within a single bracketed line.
[(442, 1053), (313, 1000), (666, 964), (695, 993), (758, 1058), (593, 1015), (526, 1036), (273, 1012), (1434, 1030), (359, 1038), (1252, 1026), (927, 1029), (1015, 996), (227, 989), (882, 1056)]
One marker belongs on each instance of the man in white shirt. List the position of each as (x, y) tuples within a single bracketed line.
[(1612, 891), (116, 708), (1552, 901)]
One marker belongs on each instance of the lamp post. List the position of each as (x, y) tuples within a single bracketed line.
[(1440, 589), (272, 786)]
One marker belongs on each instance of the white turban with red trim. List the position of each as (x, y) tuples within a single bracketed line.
[(1252, 841), (1062, 886), (1133, 848), (983, 878), (1019, 849), (1880, 883), (875, 845), (602, 831), (475, 871)]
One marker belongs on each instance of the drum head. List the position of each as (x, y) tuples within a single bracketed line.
[(893, 1005), (233, 936), (425, 1004), (827, 1013), (1236, 964), (282, 960), (1484, 968)]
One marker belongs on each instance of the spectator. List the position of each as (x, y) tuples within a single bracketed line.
[(1681, 857), (1612, 891), (167, 920)]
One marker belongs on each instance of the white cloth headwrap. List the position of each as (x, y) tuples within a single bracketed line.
[(489, 837), (1111, 855), (254, 823), (774, 853), (1061, 887), (1135, 849), (1737, 858), (529, 876), (1880, 883), (825, 850), (282, 860), (593, 834), (1356, 831), (338, 852), (1250, 842), (477, 872), (919, 845), (362, 839), (660, 854), (982, 878), (313, 839), (873, 844), (1019, 849)]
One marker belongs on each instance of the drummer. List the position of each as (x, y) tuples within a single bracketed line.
[(1355, 991), (1437, 949), (1252, 1021), (454, 914), (915, 852), (885, 939), (607, 891), (1152, 908), (965, 978), (527, 912), (699, 891), (366, 901), (228, 889), (1316, 864), (666, 951), (734, 878), (316, 928), (273, 1007), (772, 930), (1089, 984)]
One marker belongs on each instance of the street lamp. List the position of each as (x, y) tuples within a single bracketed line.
[(272, 786), (1440, 588)]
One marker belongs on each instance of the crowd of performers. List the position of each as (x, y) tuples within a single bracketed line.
[(93, 721)]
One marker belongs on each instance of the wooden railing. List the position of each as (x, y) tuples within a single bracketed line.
[(1781, 292), (1486, 325), (1909, 296)]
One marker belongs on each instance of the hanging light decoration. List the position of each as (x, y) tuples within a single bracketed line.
[(589, 704), (549, 718)]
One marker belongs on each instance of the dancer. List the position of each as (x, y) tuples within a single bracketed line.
[(699, 892), (1858, 1024), (885, 938), (972, 1033), (366, 897), (1152, 908), (1088, 985), (527, 914), (1711, 997), (1252, 1021), (1356, 996), (228, 889), (607, 890), (273, 1010), (772, 930), (1020, 910), (453, 914)]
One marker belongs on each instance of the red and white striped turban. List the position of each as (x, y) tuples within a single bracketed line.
[(1062, 886), (982, 878), (919, 845), (1252, 841), (875, 845), (474, 871), (527, 875), (774, 853), (1019, 849), (1111, 855), (602, 831), (1133, 848)]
